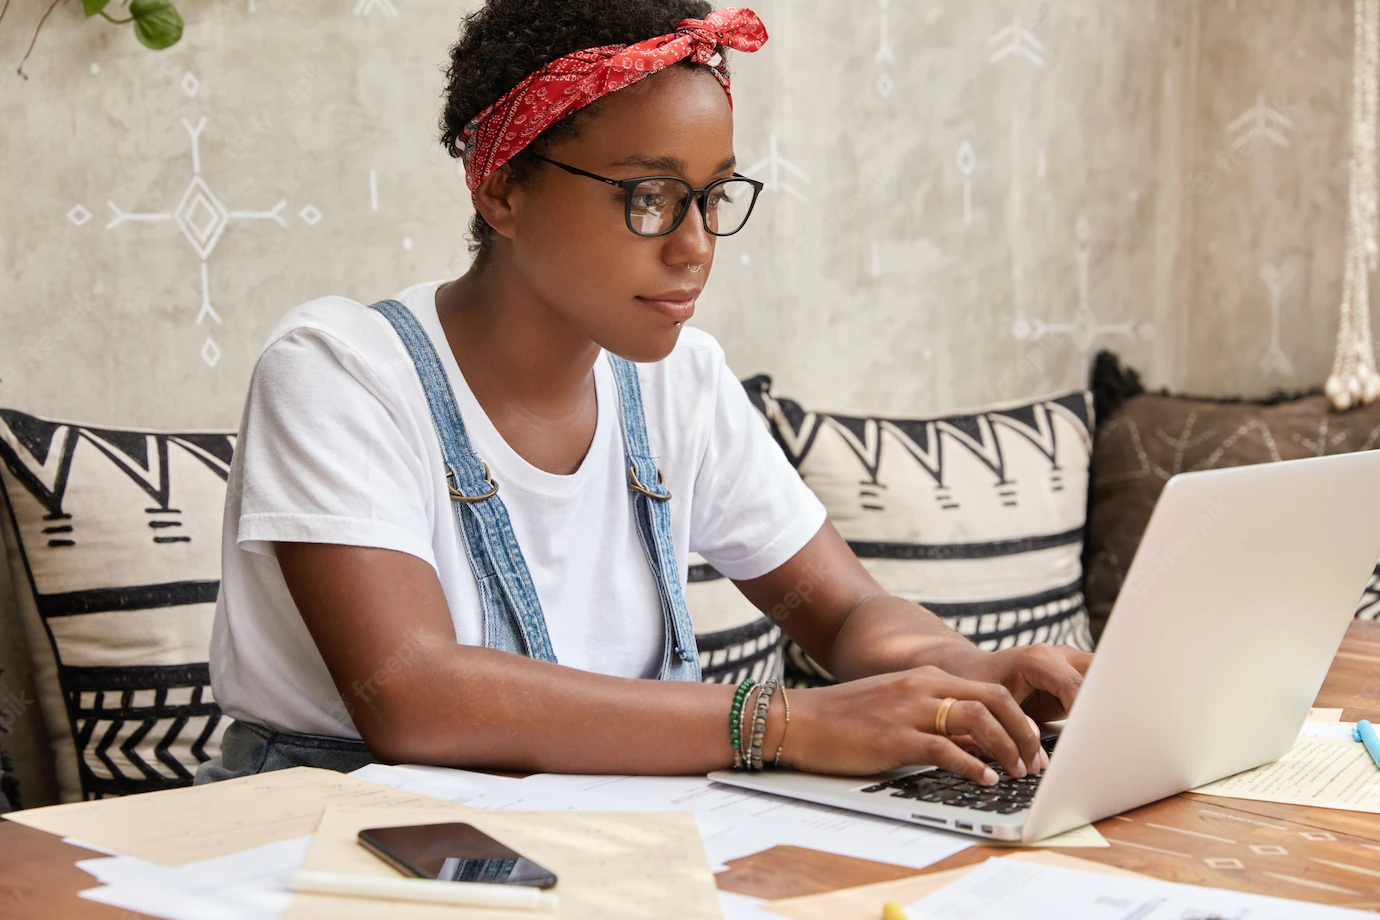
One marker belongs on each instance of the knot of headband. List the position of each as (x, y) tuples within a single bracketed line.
[(567, 84)]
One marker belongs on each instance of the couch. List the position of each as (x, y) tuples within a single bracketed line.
[(1014, 523)]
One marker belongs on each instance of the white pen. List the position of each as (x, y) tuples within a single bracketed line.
[(467, 894)]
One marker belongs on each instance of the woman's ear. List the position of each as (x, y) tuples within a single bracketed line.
[(494, 200)]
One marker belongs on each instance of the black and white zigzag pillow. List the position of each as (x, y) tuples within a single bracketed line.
[(1369, 608), (979, 517), (114, 545)]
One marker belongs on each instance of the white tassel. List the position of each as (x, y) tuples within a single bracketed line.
[(1354, 380)]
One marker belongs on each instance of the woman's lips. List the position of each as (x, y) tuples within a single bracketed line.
[(678, 310)]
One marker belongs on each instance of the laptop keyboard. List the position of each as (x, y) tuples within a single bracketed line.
[(1007, 797), (941, 787)]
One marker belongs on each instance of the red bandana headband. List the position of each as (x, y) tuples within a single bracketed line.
[(567, 84)]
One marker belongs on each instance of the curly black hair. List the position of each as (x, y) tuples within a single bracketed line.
[(505, 40)]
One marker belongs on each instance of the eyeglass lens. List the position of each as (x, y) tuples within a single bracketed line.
[(657, 204)]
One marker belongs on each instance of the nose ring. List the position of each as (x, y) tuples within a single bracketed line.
[(693, 268)]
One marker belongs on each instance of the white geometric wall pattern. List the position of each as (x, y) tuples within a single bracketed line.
[(1260, 120), (774, 168), (1085, 328), (1275, 361), (967, 162), (885, 84), (1017, 42), (202, 218), (386, 7)]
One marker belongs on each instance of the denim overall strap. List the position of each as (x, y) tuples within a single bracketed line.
[(513, 619), (651, 508)]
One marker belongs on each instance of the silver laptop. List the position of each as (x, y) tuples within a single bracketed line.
[(1231, 614)]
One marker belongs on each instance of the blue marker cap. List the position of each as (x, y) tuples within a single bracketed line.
[(1365, 733)]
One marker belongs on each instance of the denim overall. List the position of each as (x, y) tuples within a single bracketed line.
[(513, 619)]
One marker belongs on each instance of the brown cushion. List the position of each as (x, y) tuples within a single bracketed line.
[(1147, 438)]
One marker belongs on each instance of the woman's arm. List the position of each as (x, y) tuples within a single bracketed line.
[(826, 601), (382, 624)]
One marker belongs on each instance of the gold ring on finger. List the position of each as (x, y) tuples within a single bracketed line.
[(941, 716)]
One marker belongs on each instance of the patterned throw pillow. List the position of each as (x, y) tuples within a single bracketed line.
[(979, 517), (113, 539), (1145, 438), (119, 549)]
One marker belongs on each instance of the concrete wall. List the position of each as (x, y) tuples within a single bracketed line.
[(949, 189)]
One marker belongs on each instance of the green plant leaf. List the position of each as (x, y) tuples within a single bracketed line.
[(156, 23), (92, 7)]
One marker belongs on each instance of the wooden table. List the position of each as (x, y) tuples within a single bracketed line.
[(1312, 854)]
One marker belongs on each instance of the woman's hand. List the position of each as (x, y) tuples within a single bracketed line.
[(879, 723), (1043, 679)]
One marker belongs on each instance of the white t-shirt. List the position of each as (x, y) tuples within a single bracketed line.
[(336, 445)]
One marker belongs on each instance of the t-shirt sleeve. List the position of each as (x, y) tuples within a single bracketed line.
[(326, 455), (751, 511)]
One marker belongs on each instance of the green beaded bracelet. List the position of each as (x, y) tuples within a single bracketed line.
[(735, 721)]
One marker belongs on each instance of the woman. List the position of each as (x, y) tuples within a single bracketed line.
[(458, 521)]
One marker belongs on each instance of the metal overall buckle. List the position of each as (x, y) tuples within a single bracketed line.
[(636, 485), (457, 496)]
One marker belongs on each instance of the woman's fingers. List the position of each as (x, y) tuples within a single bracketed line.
[(1057, 671), (944, 754), (971, 717), (1013, 721)]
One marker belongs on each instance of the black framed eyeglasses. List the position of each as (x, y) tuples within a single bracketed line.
[(655, 205)]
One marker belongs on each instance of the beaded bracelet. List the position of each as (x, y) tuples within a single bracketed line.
[(735, 721), (759, 723), (745, 725), (787, 700)]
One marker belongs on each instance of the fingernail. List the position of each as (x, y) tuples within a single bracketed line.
[(989, 777), (1021, 769)]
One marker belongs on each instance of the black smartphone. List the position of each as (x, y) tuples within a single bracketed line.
[(453, 853)]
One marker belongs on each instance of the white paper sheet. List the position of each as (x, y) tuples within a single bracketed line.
[(739, 822), (1003, 889), (1337, 731), (1323, 772), (241, 886), (438, 782)]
